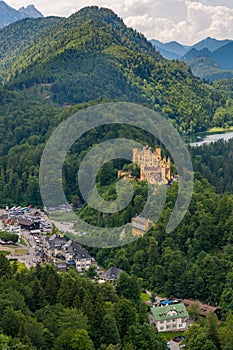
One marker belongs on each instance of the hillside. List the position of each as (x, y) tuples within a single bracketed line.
[(9, 15), (103, 53), (52, 67), (15, 38), (225, 85), (224, 56), (211, 65), (207, 69)]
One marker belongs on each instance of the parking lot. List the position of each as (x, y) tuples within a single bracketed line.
[(34, 225), (33, 250), (173, 345)]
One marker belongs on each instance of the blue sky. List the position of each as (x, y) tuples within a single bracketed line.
[(186, 21)]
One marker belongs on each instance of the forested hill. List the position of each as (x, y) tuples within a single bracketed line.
[(15, 38), (94, 50)]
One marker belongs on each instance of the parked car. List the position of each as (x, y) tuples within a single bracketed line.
[(178, 338)]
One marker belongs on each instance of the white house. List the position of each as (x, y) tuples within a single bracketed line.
[(170, 317), (11, 226)]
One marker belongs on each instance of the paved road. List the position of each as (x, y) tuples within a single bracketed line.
[(33, 255), (64, 226), (173, 345)]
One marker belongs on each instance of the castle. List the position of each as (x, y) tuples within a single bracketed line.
[(153, 168), (140, 226)]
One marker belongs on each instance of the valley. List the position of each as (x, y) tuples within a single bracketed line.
[(84, 297)]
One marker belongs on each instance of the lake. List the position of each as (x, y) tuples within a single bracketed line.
[(206, 138)]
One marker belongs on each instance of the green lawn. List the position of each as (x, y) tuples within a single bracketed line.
[(170, 335), (21, 266), (218, 129), (145, 297), (20, 251), (66, 216), (22, 241), (4, 252)]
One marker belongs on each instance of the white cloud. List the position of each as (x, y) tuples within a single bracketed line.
[(182, 20), (199, 22)]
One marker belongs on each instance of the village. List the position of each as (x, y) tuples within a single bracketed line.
[(37, 244)]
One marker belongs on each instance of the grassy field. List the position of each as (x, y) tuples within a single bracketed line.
[(22, 241), (145, 297), (4, 252), (218, 129), (66, 216), (20, 251), (170, 335), (21, 266)]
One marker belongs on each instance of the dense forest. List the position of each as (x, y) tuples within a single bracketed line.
[(41, 309), (193, 261), (215, 163), (225, 85)]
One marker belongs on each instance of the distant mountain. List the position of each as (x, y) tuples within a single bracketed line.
[(176, 50), (219, 64), (30, 11), (176, 47), (172, 46), (171, 50), (9, 15), (224, 56), (209, 59), (166, 54), (211, 44), (194, 53), (206, 68)]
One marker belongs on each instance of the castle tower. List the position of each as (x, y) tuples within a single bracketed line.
[(153, 168)]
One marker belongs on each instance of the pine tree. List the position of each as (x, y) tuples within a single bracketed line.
[(109, 330)]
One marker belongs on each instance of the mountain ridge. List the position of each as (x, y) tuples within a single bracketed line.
[(10, 15), (219, 52), (209, 43), (31, 11)]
